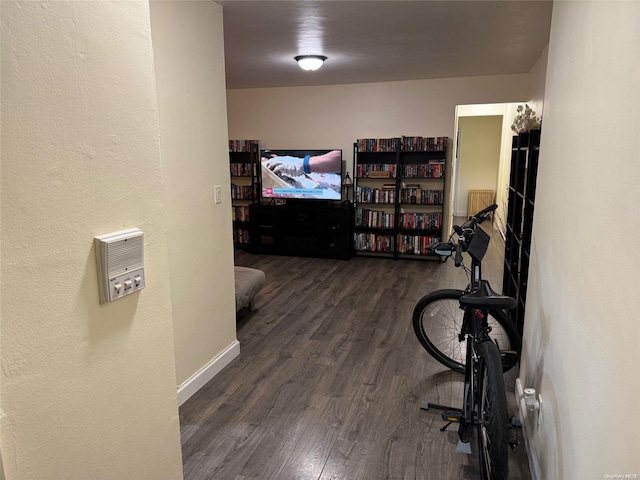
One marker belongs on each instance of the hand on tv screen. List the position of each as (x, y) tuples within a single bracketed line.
[(290, 166), (330, 162)]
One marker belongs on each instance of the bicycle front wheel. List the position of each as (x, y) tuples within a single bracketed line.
[(437, 322), (492, 414)]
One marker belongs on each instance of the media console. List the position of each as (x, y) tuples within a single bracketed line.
[(304, 229)]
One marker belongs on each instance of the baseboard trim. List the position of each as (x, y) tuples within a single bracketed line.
[(534, 466), (206, 373)]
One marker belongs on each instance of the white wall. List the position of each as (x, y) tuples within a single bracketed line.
[(581, 331), (189, 59), (335, 116), (479, 156), (536, 82), (88, 390)]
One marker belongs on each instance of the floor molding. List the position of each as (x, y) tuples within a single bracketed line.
[(200, 379)]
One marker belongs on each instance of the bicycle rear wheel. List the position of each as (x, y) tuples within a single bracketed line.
[(492, 414), (437, 322)]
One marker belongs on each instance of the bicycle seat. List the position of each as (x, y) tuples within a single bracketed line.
[(485, 297)]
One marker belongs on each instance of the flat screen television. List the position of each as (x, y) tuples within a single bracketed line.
[(301, 174)]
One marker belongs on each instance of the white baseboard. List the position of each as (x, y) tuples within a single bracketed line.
[(206, 373), (534, 466)]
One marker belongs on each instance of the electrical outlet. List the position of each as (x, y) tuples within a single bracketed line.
[(217, 194)]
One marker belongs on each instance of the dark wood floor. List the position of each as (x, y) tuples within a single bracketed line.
[(330, 378)]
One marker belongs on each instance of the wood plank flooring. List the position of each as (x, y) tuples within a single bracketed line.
[(330, 378)]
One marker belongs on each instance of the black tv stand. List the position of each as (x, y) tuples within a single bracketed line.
[(302, 229)]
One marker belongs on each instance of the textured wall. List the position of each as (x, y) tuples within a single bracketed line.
[(582, 332), (88, 390), (195, 157)]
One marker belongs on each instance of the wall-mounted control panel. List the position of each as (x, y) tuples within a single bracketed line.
[(120, 260)]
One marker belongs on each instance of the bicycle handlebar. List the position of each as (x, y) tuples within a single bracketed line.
[(484, 212), (465, 233)]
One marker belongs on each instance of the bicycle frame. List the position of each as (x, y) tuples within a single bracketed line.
[(475, 328)]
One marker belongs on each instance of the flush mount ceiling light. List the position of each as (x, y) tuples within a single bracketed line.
[(310, 62)]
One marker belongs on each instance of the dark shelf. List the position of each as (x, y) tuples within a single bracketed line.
[(521, 192)]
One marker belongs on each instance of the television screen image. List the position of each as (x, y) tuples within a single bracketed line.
[(303, 174)]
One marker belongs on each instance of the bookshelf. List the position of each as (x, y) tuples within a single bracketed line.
[(522, 191), (245, 188), (399, 193)]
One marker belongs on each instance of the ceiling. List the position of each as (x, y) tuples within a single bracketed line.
[(379, 41)]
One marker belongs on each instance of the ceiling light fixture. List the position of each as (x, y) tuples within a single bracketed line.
[(310, 62)]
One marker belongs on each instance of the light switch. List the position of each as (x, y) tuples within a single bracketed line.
[(217, 194)]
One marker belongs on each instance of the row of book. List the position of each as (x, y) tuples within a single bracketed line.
[(379, 144), (423, 170), (371, 242), (375, 195), (240, 214), (416, 195), (406, 144), (240, 236), (388, 170), (380, 170), (420, 221), (241, 192), (424, 144), (378, 219), (374, 218), (241, 169), (416, 244), (241, 145), (405, 244)]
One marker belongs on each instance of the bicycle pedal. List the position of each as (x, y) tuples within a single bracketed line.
[(509, 358)]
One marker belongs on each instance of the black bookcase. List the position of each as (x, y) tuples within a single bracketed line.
[(245, 187), (399, 193), (522, 191)]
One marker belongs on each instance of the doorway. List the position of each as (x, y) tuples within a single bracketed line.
[(481, 157)]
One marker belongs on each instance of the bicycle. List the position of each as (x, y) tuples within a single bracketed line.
[(478, 339)]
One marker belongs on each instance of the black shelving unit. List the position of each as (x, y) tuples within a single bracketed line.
[(522, 190), (399, 192), (245, 187), (317, 229)]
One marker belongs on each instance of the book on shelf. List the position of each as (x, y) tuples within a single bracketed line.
[(241, 145), (417, 195), (241, 236), (375, 195), (378, 144), (424, 170), (424, 144), (240, 214), (374, 218), (241, 192), (241, 169), (376, 170), (421, 221), (372, 242), (416, 244)]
